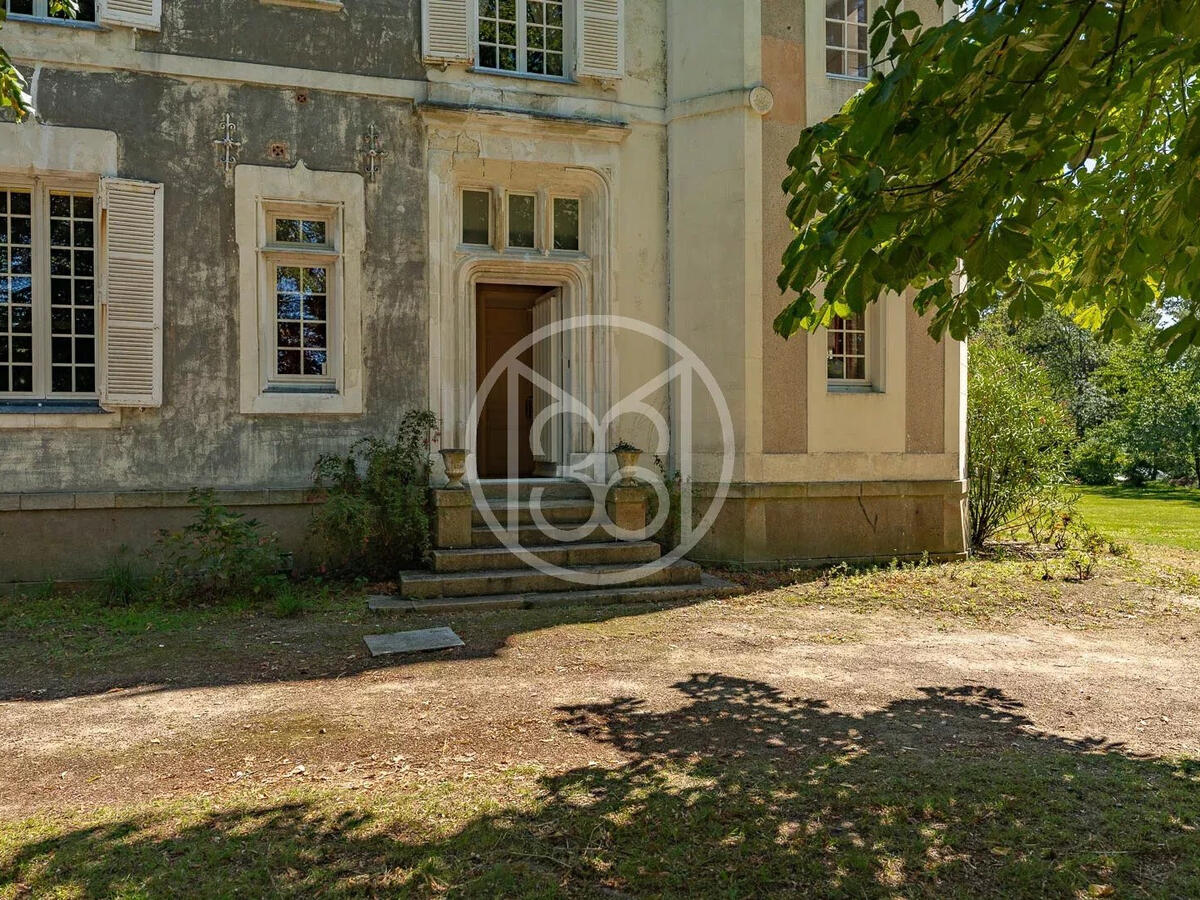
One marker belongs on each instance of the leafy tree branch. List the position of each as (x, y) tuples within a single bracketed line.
[(1027, 154)]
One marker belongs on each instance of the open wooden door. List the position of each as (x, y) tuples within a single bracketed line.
[(505, 317), (547, 363)]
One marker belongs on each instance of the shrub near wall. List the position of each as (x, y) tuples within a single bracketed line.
[(1017, 436), (375, 518)]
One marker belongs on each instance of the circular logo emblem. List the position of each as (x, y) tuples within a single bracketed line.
[(586, 461)]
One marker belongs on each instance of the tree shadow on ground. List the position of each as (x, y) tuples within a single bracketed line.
[(71, 658), (741, 791), (1156, 491)]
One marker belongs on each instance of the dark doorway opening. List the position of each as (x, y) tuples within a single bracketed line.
[(504, 317)]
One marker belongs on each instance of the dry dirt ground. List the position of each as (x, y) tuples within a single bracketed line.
[(972, 658)]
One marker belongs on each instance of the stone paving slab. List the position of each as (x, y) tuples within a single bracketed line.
[(413, 641), (386, 602)]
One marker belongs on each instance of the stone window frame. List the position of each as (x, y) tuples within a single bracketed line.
[(42, 400), (261, 192)]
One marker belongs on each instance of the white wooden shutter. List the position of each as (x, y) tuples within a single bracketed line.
[(601, 39), (132, 273), (146, 14), (447, 30)]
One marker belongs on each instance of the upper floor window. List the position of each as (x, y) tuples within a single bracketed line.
[(52, 9), (848, 350), (846, 39), (48, 330), (523, 36)]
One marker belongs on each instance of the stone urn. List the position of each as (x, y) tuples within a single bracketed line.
[(455, 462), (627, 461)]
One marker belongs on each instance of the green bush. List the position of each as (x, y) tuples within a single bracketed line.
[(220, 556), (375, 517), (1017, 435), (1099, 457)]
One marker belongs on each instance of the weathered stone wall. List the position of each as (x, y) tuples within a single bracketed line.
[(367, 37), (165, 128)]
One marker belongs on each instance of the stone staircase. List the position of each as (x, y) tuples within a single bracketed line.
[(488, 575)]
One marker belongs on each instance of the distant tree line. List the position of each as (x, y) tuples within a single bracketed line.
[(1135, 414)]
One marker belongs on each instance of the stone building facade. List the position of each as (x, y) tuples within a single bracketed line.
[(242, 233)]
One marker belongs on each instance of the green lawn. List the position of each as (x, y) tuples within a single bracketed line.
[(1162, 515)]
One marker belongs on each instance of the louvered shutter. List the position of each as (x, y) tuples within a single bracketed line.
[(145, 14), (447, 31), (601, 39), (132, 272)]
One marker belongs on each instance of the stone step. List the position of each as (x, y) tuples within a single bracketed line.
[(428, 585), (531, 536), (606, 553), (555, 511), (550, 488), (708, 587)]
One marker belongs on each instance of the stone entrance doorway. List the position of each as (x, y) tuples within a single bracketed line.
[(505, 315)]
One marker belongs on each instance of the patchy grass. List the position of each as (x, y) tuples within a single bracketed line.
[(990, 591), (1156, 514), (740, 791), (274, 759)]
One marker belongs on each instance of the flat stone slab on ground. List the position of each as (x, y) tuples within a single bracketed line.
[(387, 603), (413, 641)]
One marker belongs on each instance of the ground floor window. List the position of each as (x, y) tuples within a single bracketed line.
[(302, 256), (48, 321), (848, 350), (301, 239)]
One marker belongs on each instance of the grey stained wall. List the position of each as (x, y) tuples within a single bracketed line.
[(165, 128), (368, 37)]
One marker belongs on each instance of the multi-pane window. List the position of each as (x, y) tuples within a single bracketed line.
[(50, 9), (848, 349), (72, 293), (566, 223), (846, 38), (302, 256), (16, 292), (529, 221), (302, 321), (525, 36), (48, 322)]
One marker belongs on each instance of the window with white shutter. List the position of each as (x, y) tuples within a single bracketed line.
[(447, 37), (132, 279), (601, 39), (145, 14), (48, 290)]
